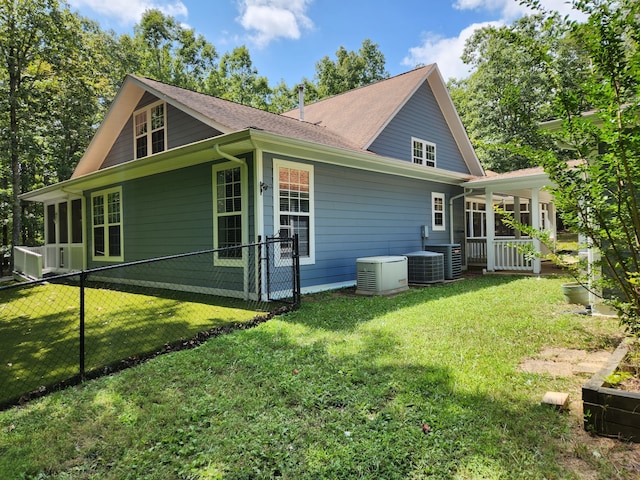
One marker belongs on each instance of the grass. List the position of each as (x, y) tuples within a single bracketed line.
[(39, 329), (422, 385)]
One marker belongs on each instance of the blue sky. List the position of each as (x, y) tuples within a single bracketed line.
[(287, 37)]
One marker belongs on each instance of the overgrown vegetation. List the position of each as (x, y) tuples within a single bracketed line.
[(421, 385)]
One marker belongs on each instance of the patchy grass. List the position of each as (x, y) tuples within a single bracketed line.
[(39, 329), (421, 385)]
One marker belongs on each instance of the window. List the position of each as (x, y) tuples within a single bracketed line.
[(51, 224), (76, 221), (423, 153), (106, 220), (229, 212), (437, 211), (149, 130), (293, 205)]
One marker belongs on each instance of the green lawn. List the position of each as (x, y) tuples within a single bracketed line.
[(343, 388), (39, 329)]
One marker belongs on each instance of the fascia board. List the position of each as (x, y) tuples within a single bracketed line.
[(273, 143)]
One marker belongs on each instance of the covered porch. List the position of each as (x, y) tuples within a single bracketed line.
[(490, 244)]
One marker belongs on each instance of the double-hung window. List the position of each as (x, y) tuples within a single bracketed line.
[(423, 152), (149, 125), (229, 204), (106, 221), (437, 211), (293, 206)]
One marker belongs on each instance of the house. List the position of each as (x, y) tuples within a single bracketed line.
[(379, 170)]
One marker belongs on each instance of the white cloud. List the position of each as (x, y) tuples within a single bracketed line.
[(130, 11), (445, 52), (509, 10), (271, 19)]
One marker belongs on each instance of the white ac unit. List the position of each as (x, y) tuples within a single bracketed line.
[(384, 275)]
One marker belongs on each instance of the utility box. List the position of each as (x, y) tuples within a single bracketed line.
[(384, 275)]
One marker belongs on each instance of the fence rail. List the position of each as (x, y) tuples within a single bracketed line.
[(60, 330)]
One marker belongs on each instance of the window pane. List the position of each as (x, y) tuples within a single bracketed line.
[(141, 123), (230, 235), (98, 241), (98, 210), (141, 147), (114, 241), (438, 218), (114, 207), (64, 222), (51, 224), (76, 221), (157, 141), (157, 117)]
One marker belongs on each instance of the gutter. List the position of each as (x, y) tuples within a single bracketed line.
[(225, 155)]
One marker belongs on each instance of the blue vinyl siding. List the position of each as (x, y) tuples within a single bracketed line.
[(182, 129), (363, 214), (421, 118)]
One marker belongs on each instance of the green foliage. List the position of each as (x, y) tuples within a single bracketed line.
[(350, 69)]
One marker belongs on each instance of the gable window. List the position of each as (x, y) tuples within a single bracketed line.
[(437, 211), (229, 212), (149, 126), (293, 204), (424, 153), (106, 221)]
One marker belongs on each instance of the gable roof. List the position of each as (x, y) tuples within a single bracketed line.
[(343, 124), (361, 114)]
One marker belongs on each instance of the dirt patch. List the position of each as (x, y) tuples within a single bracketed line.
[(585, 455)]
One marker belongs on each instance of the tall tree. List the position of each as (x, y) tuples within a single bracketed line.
[(509, 92), (36, 41), (350, 69)]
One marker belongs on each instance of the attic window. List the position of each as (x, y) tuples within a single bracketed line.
[(149, 125), (423, 152)]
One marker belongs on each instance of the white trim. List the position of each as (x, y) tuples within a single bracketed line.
[(277, 164), (147, 109), (435, 227), (244, 217), (327, 286), (424, 159), (106, 224)]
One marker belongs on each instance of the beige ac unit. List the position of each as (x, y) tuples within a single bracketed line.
[(383, 275)]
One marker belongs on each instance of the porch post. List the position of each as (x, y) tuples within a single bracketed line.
[(535, 224), (551, 219), (490, 230)]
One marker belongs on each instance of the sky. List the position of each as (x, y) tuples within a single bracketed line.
[(286, 38)]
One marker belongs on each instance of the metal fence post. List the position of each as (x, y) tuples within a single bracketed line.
[(296, 271), (83, 279)]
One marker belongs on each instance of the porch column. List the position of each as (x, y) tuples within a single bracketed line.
[(535, 224), (551, 219), (490, 230)]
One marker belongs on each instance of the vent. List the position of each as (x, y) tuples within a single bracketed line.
[(452, 258), (425, 267), (381, 275)]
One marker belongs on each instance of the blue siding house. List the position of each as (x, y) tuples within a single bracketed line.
[(354, 175)]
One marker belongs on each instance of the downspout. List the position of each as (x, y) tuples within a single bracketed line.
[(225, 155), (451, 200)]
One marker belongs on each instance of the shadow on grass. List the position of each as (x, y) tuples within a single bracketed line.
[(265, 403)]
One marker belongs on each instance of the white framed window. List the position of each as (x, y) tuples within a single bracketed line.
[(423, 152), (106, 223), (294, 206), (437, 212), (229, 213), (149, 130)]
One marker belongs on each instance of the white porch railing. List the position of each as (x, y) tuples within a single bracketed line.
[(476, 251), (509, 257), (28, 261), (34, 261)]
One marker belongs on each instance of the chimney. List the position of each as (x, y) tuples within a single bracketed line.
[(301, 101)]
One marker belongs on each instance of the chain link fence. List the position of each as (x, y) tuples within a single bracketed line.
[(64, 329)]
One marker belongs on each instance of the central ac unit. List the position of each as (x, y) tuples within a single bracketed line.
[(452, 258), (425, 267), (381, 275)]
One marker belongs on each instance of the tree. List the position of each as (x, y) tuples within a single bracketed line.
[(599, 197), (509, 92), (350, 69), (36, 39)]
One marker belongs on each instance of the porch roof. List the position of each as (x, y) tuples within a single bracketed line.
[(518, 183)]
